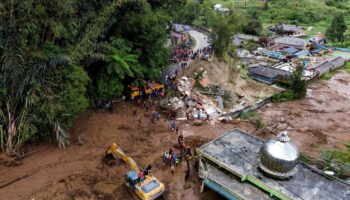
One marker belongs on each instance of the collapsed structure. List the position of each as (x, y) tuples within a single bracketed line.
[(240, 166)]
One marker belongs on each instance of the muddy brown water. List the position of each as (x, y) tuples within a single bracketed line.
[(78, 172)]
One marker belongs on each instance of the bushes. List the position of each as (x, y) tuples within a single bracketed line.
[(347, 67), (283, 97)]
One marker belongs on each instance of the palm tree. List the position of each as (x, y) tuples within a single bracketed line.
[(21, 83), (122, 63)]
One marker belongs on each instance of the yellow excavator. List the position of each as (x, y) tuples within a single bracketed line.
[(146, 187)]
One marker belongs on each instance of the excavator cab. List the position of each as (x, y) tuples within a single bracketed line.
[(131, 179)]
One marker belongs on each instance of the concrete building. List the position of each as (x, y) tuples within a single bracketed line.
[(229, 165)]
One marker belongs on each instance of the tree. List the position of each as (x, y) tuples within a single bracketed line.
[(222, 28), (122, 63), (278, 29), (49, 56), (266, 4), (336, 30), (254, 26), (298, 85)]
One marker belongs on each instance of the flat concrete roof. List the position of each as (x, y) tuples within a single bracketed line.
[(237, 155)]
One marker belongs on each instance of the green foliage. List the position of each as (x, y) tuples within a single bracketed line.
[(52, 51), (122, 63), (254, 26), (247, 114), (109, 86), (336, 30), (283, 97), (222, 28), (327, 76), (297, 88), (347, 67), (338, 160), (298, 84)]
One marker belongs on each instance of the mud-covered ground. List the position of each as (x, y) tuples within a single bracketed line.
[(78, 172), (320, 120)]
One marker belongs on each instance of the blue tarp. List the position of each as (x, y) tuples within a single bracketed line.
[(301, 53)]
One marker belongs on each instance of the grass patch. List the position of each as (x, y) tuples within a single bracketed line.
[(283, 97), (247, 114), (327, 76), (347, 67), (338, 161)]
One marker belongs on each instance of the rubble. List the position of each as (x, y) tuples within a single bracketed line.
[(185, 85)]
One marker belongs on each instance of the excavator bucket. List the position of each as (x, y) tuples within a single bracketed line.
[(108, 159)]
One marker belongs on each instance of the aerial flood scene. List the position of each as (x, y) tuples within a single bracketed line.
[(175, 100)]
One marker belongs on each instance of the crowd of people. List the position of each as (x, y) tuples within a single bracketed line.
[(173, 159)]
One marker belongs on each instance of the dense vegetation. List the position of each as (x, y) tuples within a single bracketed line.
[(58, 56)]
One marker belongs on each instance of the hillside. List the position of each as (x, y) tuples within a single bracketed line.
[(314, 13)]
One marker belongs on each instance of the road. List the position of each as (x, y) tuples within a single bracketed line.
[(201, 42), (201, 39)]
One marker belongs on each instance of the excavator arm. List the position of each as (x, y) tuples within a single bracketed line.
[(119, 153)]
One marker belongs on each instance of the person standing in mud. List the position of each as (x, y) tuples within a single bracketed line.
[(187, 173), (196, 164), (180, 139)]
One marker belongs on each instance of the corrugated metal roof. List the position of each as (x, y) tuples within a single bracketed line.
[(269, 72), (291, 41)]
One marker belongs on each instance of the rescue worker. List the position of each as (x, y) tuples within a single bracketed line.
[(141, 175), (180, 139), (196, 164), (187, 173), (158, 116), (154, 115), (147, 170)]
